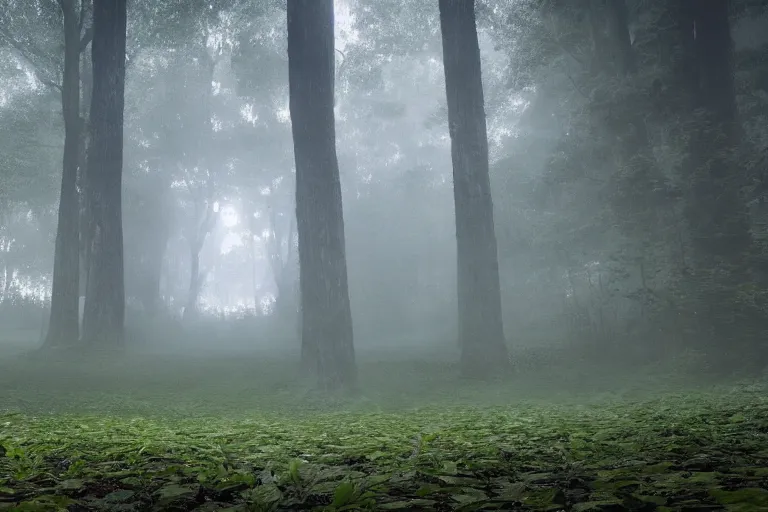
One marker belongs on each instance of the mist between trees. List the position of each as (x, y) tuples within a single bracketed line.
[(490, 184)]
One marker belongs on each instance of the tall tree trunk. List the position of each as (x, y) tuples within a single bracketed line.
[(63, 327), (87, 88), (326, 314), (619, 25), (481, 331), (714, 51), (639, 205), (716, 214), (104, 314), (279, 261), (205, 212), (206, 215), (153, 269)]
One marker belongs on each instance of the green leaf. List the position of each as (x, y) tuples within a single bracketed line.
[(344, 494), (742, 500), (171, 493), (73, 484), (120, 496), (293, 470), (407, 504), (450, 468)]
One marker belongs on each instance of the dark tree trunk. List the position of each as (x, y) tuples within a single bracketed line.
[(481, 332), (714, 51), (63, 327), (619, 24), (639, 204), (326, 314), (601, 49), (104, 314), (717, 218), (716, 214)]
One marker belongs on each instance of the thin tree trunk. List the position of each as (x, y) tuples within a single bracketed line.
[(153, 271), (481, 331), (190, 311), (104, 314), (326, 314), (203, 226), (63, 326), (7, 282), (85, 105)]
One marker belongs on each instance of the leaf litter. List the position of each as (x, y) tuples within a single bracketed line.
[(685, 452)]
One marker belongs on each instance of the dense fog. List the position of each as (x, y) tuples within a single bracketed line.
[(405, 255), (592, 119)]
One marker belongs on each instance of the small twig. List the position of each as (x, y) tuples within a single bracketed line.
[(577, 87)]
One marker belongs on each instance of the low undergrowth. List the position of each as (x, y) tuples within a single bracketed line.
[(85, 440)]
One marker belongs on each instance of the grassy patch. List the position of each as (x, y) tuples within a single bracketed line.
[(242, 435)]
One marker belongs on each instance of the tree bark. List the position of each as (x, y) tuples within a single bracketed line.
[(619, 24), (714, 51), (104, 312), (639, 204), (481, 331), (87, 88), (63, 327), (327, 334), (716, 214)]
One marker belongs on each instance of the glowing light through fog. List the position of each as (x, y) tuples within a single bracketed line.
[(229, 218), (345, 25), (231, 240), (283, 114)]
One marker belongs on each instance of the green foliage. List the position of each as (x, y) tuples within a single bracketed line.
[(659, 453), (252, 442), (30, 151)]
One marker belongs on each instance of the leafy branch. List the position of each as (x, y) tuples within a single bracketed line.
[(29, 53)]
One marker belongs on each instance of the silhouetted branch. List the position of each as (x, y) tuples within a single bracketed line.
[(81, 21), (86, 39)]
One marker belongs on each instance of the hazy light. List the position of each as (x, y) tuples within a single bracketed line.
[(229, 217), (231, 240)]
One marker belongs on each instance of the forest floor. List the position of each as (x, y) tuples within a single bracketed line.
[(237, 433)]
